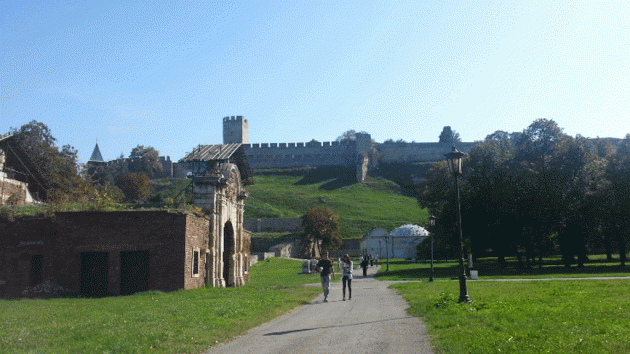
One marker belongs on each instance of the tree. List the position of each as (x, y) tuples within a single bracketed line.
[(57, 167), (135, 186), (535, 191), (145, 160), (321, 228), (618, 197), (349, 135), (449, 136)]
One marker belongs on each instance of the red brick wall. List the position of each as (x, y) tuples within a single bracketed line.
[(169, 237), (20, 240), (159, 232), (197, 236)]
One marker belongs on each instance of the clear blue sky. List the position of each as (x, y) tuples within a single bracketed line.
[(164, 73)]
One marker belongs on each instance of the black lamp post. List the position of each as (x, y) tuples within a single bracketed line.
[(431, 225), (454, 159)]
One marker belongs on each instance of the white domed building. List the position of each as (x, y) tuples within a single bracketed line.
[(401, 242)]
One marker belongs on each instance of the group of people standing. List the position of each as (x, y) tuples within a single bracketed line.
[(368, 260), (326, 270)]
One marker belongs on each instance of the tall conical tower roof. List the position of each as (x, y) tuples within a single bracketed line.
[(96, 155)]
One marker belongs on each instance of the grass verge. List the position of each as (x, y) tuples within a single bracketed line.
[(570, 316), (185, 321)]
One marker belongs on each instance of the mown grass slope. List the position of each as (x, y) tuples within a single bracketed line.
[(361, 206), (289, 193)]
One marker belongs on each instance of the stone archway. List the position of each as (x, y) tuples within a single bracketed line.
[(228, 252)]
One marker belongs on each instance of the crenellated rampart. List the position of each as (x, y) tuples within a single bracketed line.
[(356, 152), (313, 153)]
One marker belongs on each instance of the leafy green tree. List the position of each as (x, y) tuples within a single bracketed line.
[(449, 136), (144, 160), (349, 135), (321, 228), (531, 191), (58, 167), (618, 197), (135, 186), (489, 198), (438, 195)]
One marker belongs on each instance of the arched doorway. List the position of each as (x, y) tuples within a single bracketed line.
[(228, 251)]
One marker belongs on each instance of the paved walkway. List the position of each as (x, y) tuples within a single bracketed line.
[(374, 321)]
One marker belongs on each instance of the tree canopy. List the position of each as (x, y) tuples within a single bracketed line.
[(539, 191), (349, 135), (144, 160), (321, 228), (449, 136), (57, 166)]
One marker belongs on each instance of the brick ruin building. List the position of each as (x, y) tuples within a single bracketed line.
[(94, 253)]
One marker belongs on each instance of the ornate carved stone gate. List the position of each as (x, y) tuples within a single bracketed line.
[(219, 177)]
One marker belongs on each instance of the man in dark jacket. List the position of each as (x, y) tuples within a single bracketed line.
[(364, 265), (325, 269)]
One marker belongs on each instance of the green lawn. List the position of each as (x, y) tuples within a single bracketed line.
[(546, 316), (361, 206), (488, 268), (186, 321), (549, 316)]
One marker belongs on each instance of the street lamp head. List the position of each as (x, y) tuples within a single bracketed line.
[(454, 159), (432, 220)]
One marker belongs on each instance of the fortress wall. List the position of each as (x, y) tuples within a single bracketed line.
[(286, 155), (417, 152), (273, 225)]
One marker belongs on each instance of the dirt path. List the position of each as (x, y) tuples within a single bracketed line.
[(374, 321)]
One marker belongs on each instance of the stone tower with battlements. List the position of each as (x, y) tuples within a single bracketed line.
[(235, 130)]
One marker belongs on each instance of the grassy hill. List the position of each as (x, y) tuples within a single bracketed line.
[(289, 193), (374, 203)]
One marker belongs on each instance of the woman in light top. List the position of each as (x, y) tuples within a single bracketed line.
[(346, 265)]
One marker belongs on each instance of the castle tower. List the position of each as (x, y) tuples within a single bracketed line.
[(96, 157), (235, 130)]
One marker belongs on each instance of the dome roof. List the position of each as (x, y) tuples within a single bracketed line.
[(409, 230)]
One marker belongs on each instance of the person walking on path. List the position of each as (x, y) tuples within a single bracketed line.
[(325, 268), (347, 276), (364, 265)]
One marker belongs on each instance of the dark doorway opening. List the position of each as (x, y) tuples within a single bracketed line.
[(228, 251), (134, 272), (36, 269), (94, 273)]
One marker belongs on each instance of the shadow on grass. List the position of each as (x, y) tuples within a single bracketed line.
[(337, 177)]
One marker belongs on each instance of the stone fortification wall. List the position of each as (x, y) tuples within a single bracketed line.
[(314, 153), (10, 187), (344, 153), (263, 244), (273, 225), (417, 152)]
